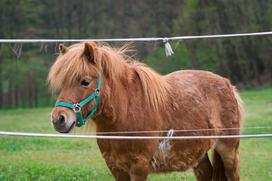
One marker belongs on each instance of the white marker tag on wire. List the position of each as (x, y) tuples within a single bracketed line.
[(164, 145), (168, 49)]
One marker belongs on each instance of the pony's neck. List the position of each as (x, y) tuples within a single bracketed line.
[(116, 93), (129, 90)]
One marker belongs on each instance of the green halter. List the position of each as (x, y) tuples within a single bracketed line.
[(77, 107)]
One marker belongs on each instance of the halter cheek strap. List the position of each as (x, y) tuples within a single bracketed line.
[(77, 107)]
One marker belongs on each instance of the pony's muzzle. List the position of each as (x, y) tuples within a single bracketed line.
[(63, 120)]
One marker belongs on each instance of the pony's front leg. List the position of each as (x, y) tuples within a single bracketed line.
[(119, 174), (204, 170), (139, 171)]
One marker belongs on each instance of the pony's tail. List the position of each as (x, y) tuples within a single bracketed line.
[(218, 168), (240, 106)]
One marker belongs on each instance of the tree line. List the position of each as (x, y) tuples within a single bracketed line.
[(247, 61)]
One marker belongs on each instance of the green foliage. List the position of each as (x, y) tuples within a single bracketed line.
[(26, 77), (245, 60), (164, 65)]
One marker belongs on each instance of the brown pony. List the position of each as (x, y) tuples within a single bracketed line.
[(134, 97)]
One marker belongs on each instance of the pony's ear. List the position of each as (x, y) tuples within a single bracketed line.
[(62, 49), (89, 52)]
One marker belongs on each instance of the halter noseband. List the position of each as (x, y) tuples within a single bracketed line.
[(77, 107)]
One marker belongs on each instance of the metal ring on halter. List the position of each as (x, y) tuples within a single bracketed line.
[(77, 108), (97, 91)]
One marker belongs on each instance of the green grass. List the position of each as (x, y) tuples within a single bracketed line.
[(24, 158)]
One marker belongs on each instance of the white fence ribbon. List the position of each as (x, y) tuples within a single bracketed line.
[(5, 133), (168, 49)]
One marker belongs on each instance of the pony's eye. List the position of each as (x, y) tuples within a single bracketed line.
[(85, 83)]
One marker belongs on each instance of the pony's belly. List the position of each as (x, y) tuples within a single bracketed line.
[(181, 156)]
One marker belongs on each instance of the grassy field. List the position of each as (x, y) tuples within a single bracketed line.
[(80, 159)]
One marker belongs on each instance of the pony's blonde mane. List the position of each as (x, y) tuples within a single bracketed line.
[(117, 68), (155, 88), (69, 68)]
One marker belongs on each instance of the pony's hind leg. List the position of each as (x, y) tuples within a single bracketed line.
[(229, 152), (203, 170)]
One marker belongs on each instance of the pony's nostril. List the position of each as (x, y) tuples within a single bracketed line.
[(61, 119)]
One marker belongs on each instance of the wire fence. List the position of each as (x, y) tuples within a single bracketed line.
[(3, 133), (168, 50), (147, 39), (187, 130), (105, 135)]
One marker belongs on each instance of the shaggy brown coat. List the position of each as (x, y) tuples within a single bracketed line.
[(134, 97)]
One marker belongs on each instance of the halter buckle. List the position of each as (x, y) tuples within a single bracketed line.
[(97, 91), (77, 108)]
